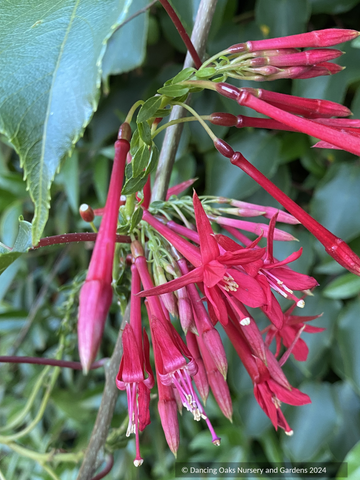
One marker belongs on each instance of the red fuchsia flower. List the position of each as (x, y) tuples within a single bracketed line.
[(215, 271), (135, 373), (174, 363), (270, 384), (96, 293), (269, 394), (289, 334)]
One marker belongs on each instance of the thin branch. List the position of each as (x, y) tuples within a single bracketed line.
[(182, 32), (172, 137), (75, 237), (136, 14), (94, 451), (107, 469), (50, 361)]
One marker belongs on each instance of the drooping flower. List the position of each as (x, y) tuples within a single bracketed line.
[(212, 269)]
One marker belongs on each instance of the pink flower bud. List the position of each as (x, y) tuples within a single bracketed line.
[(317, 38)]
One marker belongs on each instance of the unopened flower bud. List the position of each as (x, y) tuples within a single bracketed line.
[(86, 212)]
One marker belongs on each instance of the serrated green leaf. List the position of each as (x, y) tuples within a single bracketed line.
[(345, 286), (50, 70), (144, 132), (183, 75), (21, 245), (149, 109), (140, 160), (173, 91), (133, 185), (136, 218)]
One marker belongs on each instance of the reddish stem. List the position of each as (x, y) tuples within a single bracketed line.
[(109, 465), (75, 237), (50, 361), (180, 28)]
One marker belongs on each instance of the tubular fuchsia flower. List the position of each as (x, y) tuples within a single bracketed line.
[(96, 293)]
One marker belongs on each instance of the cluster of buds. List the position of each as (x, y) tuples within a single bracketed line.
[(277, 58)]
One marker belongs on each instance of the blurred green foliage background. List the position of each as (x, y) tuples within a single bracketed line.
[(37, 290)]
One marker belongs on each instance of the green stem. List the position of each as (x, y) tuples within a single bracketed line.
[(22, 414), (179, 120), (132, 110)]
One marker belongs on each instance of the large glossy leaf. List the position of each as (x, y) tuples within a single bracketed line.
[(291, 16), (337, 200), (313, 424), (332, 6), (222, 178), (50, 70), (348, 337), (126, 47)]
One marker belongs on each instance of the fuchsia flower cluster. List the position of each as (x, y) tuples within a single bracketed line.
[(189, 272)]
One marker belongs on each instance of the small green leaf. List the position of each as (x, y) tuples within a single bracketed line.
[(133, 185), (129, 171), (21, 245), (345, 286), (162, 112), (148, 109), (173, 91), (140, 160), (206, 72), (134, 142), (183, 75), (153, 159), (145, 132), (136, 218)]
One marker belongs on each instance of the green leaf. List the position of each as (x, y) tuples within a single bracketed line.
[(153, 159), (222, 178), (353, 464), (336, 200), (348, 338), (134, 185), (314, 422), (127, 46), (173, 91), (21, 245), (345, 286), (148, 109), (69, 178), (183, 75), (206, 72), (136, 218), (50, 80), (291, 16), (145, 132), (140, 160), (333, 7)]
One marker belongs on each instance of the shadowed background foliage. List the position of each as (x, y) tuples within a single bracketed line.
[(139, 58)]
